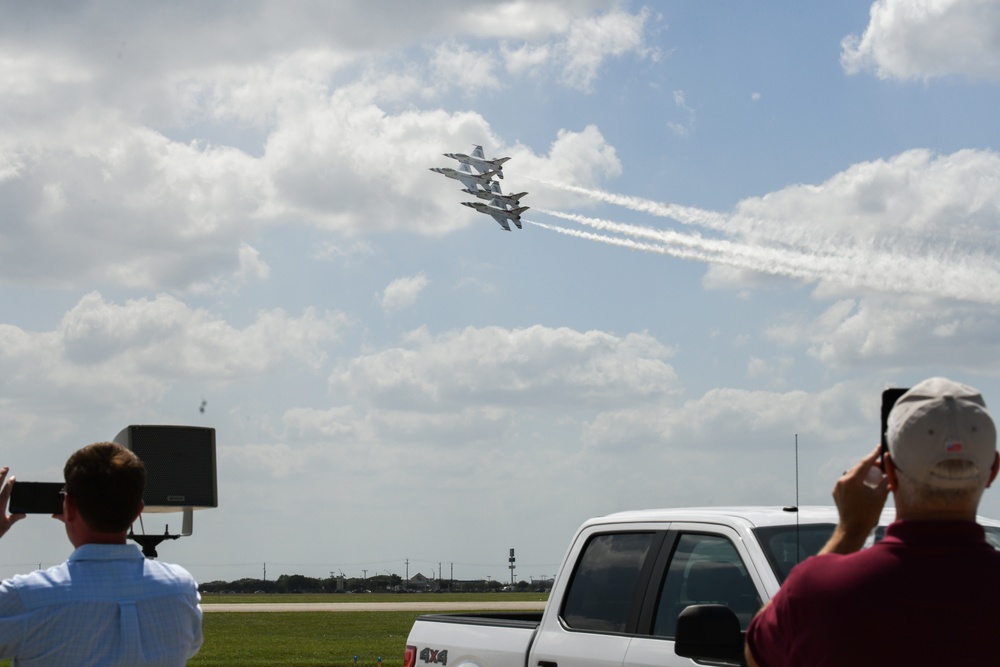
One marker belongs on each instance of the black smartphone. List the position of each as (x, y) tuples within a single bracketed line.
[(889, 398), (36, 498)]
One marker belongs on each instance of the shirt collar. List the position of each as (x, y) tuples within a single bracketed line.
[(935, 532), (106, 552)]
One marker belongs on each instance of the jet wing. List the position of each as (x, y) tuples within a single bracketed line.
[(503, 222), (492, 211), (470, 180)]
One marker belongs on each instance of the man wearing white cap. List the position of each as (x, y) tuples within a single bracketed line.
[(929, 592)]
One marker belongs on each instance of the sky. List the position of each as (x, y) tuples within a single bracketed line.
[(746, 220)]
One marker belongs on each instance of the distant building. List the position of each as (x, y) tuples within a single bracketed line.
[(542, 584), (419, 582)]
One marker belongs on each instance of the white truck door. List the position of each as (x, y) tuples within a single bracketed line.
[(598, 601), (706, 564)]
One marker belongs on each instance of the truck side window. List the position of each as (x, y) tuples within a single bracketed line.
[(704, 569), (603, 587)]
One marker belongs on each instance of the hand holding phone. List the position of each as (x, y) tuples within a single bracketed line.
[(6, 487)]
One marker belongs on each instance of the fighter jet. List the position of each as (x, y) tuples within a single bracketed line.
[(471, 180), (495, 193), (479, 161), (500, 212)]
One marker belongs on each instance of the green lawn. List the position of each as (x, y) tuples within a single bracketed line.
[(304, 639), (373, 597), (316, 639)]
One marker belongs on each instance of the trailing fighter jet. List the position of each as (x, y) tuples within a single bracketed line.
[(464, 173), (479, 161), (499, 211), (495, 193)]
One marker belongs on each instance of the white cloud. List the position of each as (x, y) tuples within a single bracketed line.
[(890, 333), (105, 151), (109, 353), (130, 207), (464, 68), (403, 292), (904, 246), (907, 39), (127, 206), (773, 370), (349, 252), (684, 128), (529, 368), (525, 59), (583, 159), (590, 41)]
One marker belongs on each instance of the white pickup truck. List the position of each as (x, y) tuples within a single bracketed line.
[(625, 581)]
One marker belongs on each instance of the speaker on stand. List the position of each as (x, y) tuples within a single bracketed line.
[(180, 474)]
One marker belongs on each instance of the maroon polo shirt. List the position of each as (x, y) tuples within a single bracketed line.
[(927, 594)]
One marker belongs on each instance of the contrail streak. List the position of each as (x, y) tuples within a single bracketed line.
[(849, 267), (903, 244), (684, 214)]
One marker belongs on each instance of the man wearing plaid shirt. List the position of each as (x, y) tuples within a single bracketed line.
[(107, 604)]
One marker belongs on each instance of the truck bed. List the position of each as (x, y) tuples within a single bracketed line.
[(510, 619), (497, 639)]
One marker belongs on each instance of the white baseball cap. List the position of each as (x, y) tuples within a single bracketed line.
[(940, 420)]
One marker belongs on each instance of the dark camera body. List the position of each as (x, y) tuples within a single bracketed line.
[(889, 398), (36, 498)]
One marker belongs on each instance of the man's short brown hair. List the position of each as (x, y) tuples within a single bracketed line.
[(106, 481)]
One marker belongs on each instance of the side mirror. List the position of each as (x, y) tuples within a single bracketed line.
[(709, 632)]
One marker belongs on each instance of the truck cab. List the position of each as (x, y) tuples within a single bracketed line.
[(627, 578)]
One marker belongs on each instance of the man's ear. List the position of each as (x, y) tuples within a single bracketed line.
[(994, 469), (890, 471), (70, 511)]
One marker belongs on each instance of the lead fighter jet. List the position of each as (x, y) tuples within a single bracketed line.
[(479, 161), (499, 211), (463, 173)]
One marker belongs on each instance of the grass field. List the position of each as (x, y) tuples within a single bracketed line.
[(305, 639), (316, 639), (319, 639)]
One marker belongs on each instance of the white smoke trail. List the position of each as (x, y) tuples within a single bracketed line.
[(627, 243), (683, 214), (740, 255), (850, 268), (901, 244)]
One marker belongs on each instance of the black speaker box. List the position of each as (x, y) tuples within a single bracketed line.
[(180, 465)]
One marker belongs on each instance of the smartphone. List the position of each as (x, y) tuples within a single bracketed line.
[(889, 398), (36, 498)]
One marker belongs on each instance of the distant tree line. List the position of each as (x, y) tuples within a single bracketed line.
[(382, 583)]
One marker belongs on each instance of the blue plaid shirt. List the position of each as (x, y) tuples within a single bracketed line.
[(107, 605)]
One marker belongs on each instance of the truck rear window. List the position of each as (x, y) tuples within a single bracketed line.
[(787, 546), (603, 587)]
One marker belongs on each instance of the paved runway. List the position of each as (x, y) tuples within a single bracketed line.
[(376, 606)]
